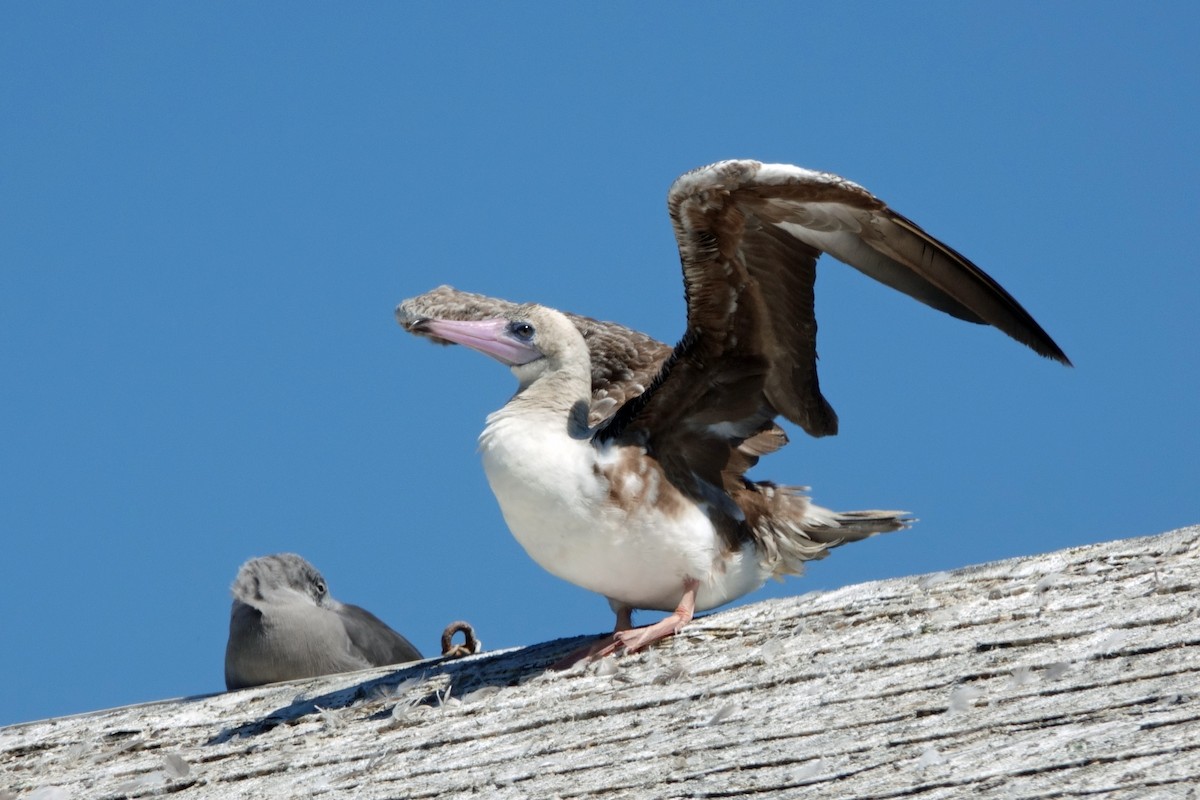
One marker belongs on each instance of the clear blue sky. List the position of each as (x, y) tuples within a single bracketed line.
[(209, 210)]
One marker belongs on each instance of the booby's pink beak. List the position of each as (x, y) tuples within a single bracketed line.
[(490, 337)]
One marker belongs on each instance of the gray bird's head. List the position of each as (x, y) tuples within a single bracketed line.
[(282, 577)]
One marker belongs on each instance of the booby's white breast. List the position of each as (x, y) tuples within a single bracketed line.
[(556, 495)]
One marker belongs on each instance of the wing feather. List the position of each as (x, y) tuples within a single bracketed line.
[(373, 639), (749, 237)]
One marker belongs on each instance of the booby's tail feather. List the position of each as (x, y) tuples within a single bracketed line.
[(789, 529), (837, 527)]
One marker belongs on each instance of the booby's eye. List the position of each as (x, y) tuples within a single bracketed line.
[(320, 587), (521, 330)]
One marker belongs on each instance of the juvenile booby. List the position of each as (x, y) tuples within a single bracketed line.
[(284, 624), (619, 465)]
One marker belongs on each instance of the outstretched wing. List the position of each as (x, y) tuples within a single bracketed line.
[(749, 238)]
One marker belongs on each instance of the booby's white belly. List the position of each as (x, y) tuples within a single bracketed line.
[(559, 507)]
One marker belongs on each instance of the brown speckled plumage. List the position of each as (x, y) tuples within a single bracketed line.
[(699, 415)]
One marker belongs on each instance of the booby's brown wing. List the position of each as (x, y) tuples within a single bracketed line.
[(843, 219), (749, 237), (624, 361)]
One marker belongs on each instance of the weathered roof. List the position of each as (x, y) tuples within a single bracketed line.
[(1061, 675)]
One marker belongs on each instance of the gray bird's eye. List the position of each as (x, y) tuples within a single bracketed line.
[(320, 587), (521, 330)]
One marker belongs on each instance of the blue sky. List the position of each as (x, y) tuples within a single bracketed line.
[(208, 212)]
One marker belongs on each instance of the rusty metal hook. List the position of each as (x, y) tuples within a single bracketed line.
[(470, 645)]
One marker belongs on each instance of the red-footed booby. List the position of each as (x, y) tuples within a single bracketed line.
[(619, 465)]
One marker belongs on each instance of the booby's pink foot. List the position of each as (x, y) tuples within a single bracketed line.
[(631, 640), (588, 652)]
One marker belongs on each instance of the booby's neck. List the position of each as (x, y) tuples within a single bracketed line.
[(563, 393)]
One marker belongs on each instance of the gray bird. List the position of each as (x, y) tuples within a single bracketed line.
[(284, 624)]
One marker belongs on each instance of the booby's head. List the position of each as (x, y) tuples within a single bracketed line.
[(531, 340)]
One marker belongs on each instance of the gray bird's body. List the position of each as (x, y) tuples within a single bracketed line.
[(284, 625)]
